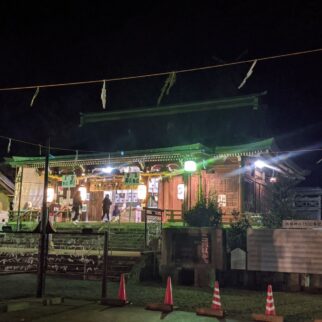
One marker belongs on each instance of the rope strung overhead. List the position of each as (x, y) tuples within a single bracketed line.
[(195, 69)]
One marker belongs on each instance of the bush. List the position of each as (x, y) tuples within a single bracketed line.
[(278, 199), (237, 234), (205, 213)]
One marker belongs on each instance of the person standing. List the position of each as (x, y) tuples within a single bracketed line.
[(106, 207), (77, 204)]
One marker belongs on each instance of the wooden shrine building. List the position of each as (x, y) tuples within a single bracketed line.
[(154, 178)]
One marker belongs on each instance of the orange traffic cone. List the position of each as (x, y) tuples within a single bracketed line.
[(168, 299), (216, 309), (270, 307), (122, 292), (167, 306)]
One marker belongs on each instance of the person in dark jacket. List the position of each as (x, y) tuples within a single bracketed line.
[(106, 207), (77, 204)]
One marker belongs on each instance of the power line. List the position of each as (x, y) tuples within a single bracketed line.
[(93, 151), (181, 71), (41, 146)]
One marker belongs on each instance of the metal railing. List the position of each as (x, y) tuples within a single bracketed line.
[(26, 252)]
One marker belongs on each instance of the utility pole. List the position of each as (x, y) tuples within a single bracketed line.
[(43, 238)]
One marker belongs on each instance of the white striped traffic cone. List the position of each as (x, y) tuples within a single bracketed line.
[(216, 304), (270, 307)]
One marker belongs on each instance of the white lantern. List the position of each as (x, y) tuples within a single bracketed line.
[(83, 193), (141, 191), (50, 194)]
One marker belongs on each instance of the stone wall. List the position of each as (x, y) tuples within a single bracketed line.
[(192, 255)]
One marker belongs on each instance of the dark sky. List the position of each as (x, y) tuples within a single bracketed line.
[(63, 41)]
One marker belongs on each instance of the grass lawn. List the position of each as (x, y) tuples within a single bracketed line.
[(239, 304)]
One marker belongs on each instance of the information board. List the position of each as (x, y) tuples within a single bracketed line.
[(69, 181)]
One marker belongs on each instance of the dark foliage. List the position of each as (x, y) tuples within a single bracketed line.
[(237, 233), (205, 213)]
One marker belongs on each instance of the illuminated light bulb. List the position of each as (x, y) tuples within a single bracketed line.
[(190, 166), (108, 170), (260, 164)]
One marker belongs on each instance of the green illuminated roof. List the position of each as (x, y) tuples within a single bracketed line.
[(169, 154), (254, 147)]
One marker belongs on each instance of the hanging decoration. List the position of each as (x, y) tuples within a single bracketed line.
[(168, 84), (103, 95), (249, 73), (39, 149), (9, 146), (76, 155), (34, 97)]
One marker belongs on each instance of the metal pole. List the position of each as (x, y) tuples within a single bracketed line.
[(105, 254), (130, 215), (43, 240), (145, 227), (19, 201)]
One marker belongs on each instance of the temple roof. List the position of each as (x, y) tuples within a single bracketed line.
[(175, 153)]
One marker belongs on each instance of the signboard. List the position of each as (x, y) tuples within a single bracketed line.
[(69, 181), (131, 178), (302, 224), (238, 259), (180, 191), (154, 185), (222, 201)]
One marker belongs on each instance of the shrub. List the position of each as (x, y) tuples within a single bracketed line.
[(205, 213), (278, 199), (237, 233)]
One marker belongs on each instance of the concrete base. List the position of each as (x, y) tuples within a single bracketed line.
[(267, 318), (14, 306), (206, 311), (165, 308), (113, 302)]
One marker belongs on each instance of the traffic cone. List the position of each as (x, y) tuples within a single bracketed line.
[(270, 313), (270, 307), (216, 304), (168, 299), (122, 292), (121, 300), (167, 305), (216, 309)]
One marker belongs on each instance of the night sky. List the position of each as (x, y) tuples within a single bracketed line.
[(65, 41)]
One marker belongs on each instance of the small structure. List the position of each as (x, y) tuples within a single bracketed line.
[(192, 255)]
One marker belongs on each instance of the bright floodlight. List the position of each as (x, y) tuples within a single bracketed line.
[(260, 164), (190, 166), (108, 170)]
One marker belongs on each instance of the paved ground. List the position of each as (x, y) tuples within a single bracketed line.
[(85, 311)]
